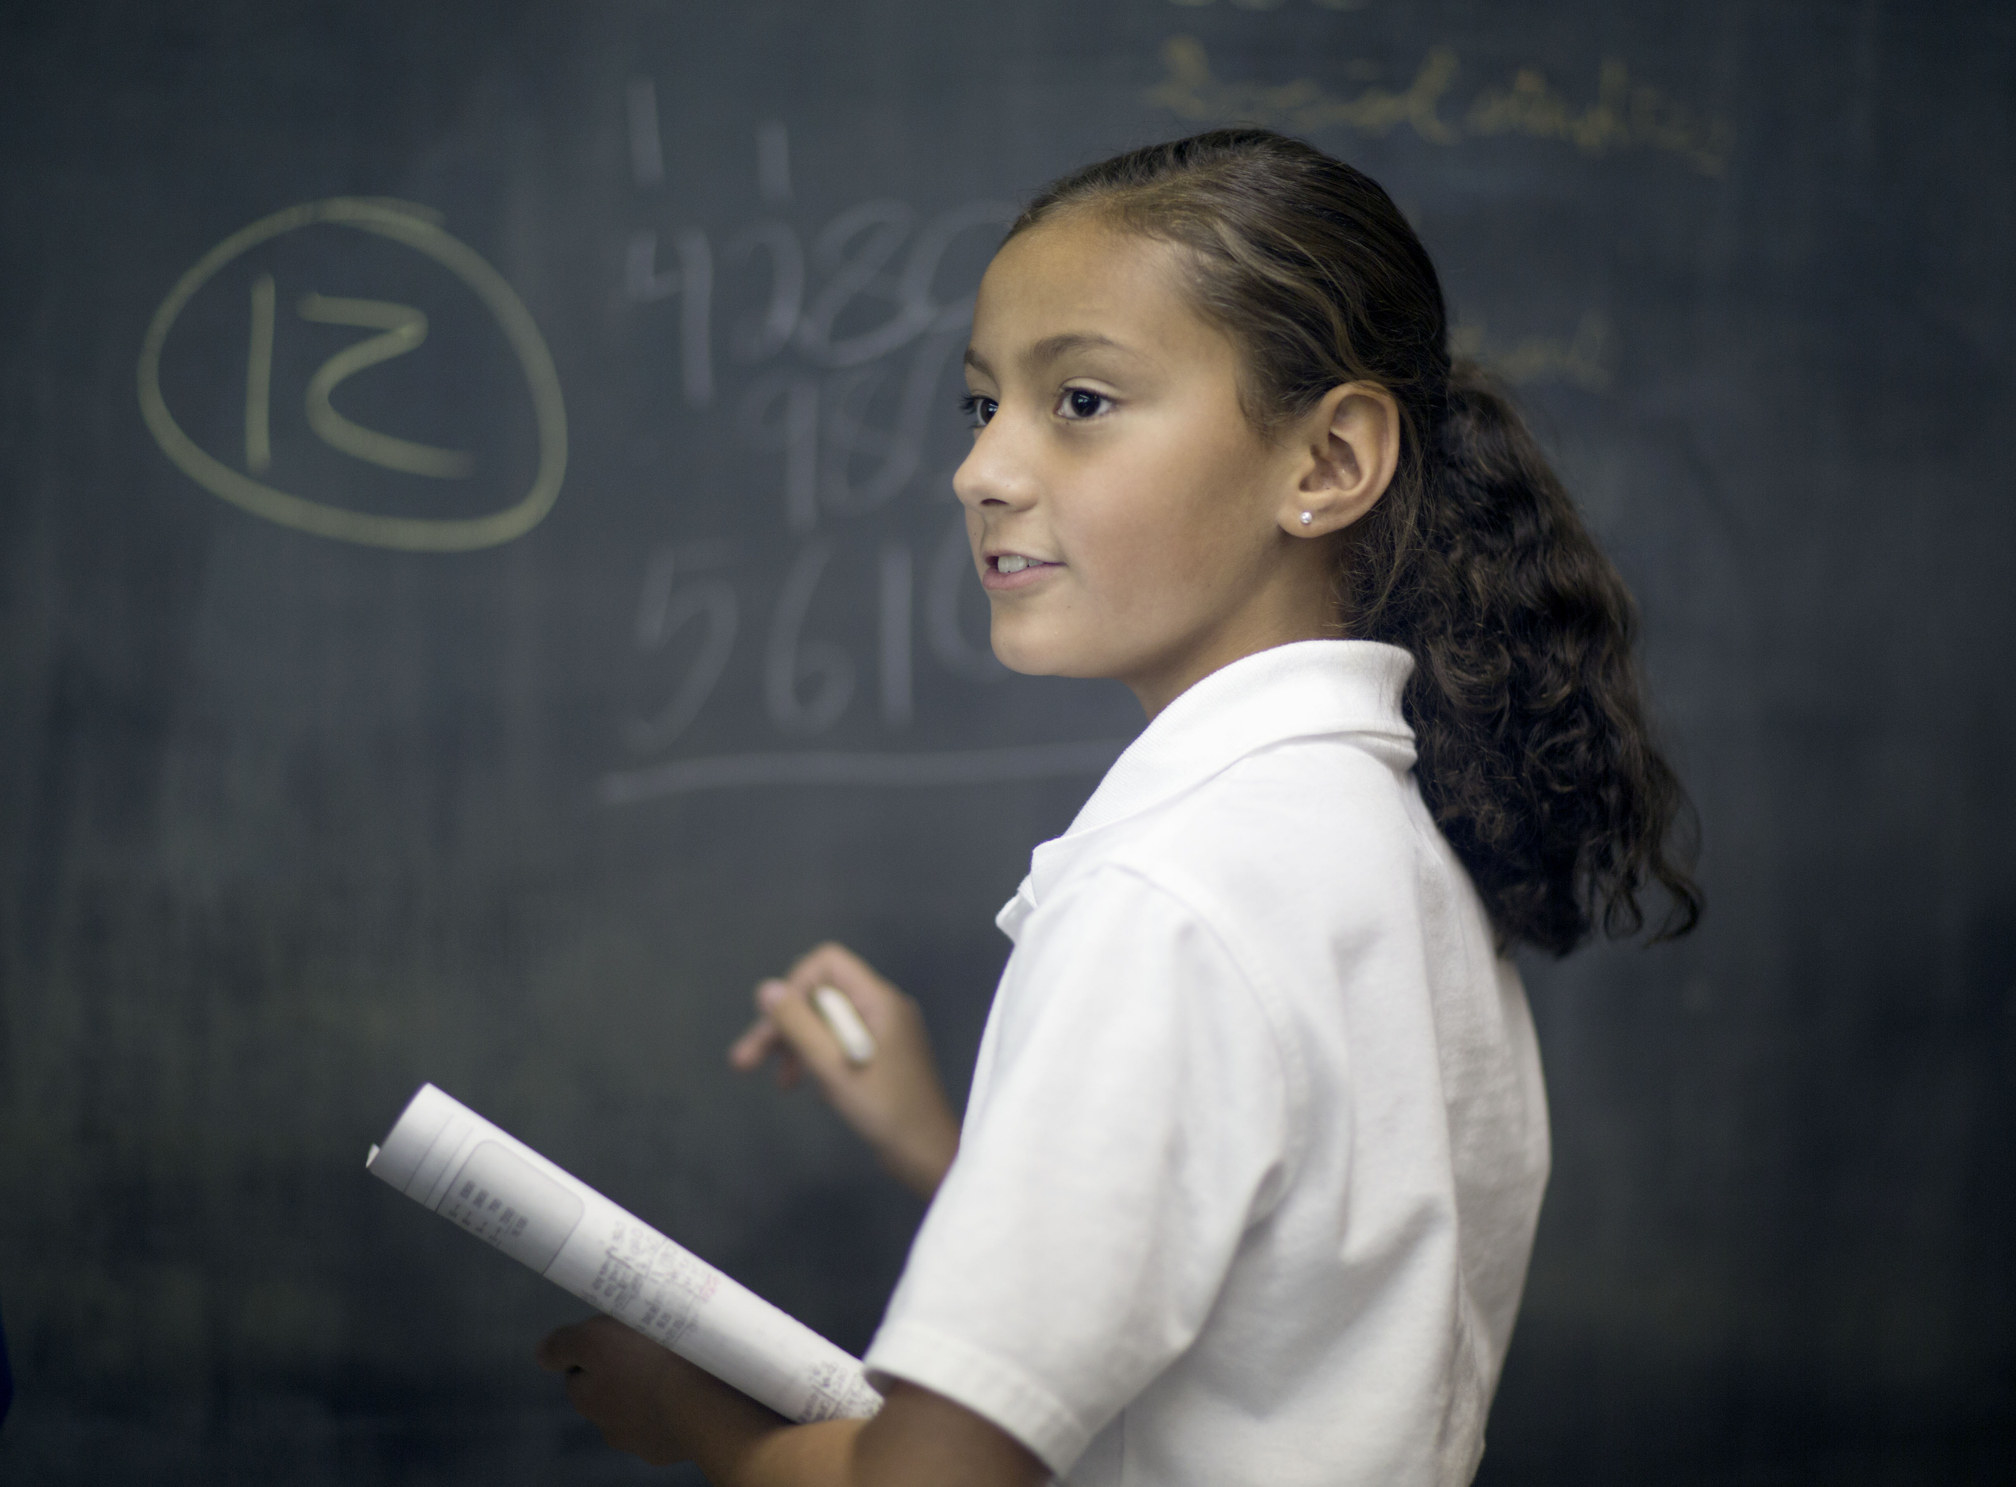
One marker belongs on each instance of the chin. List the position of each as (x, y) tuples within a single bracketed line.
[(1028, 656), (1023, 661)]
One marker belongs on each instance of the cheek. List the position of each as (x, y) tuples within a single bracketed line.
[(1172, 527)]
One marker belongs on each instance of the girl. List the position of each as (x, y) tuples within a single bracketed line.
[(1249, 1174)]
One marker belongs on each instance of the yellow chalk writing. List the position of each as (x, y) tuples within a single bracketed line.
[(415, 228), (404, 328), (259, 379), (1625, 115), (1581, 360), (1191, 91)]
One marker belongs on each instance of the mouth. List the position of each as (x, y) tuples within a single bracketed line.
[(1013, 570)]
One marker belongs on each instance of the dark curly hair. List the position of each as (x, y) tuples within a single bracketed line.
[(1533, 751)]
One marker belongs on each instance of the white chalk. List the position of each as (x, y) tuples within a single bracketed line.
[(840, 1014)]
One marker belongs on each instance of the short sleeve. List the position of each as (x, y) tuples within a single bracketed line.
[(1132, 1125)]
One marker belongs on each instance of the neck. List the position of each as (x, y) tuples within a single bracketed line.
[(1157, 689)]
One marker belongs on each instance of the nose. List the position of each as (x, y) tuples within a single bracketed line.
[(996, 474)]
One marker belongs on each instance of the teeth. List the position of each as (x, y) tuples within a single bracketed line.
[(1012, 563)]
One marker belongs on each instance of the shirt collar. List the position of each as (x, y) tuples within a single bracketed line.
[(1306, 689)]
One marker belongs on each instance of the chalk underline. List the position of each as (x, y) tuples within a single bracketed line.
[(834, 767)]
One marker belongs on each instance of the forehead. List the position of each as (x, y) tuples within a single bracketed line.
[(1078, 277)]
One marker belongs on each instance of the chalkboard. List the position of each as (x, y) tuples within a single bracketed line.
[(481, 588)]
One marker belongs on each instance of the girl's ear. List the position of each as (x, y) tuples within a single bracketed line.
[(1347, 447)]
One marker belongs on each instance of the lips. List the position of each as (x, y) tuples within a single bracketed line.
[(1013, 570)]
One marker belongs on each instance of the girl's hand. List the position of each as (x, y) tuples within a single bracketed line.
[(645, 1400), (656, 1405), (894, 1101)]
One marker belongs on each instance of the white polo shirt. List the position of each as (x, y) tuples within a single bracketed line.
[(1256, 1142)]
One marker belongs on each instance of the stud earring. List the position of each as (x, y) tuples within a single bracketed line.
[(1308, 517)]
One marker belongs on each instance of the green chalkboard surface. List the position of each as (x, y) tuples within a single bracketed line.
[(479, 587)]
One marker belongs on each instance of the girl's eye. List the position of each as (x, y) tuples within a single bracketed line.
[(979, 409), (1081, 403)]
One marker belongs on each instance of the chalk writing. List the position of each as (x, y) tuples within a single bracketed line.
[(834, 349), (806, 684), (1625, 115), (693, 281), (671, 600), (402, 328), (259, 379), (881, 770), (1582, 360)]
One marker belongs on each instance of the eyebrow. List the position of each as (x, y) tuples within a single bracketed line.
[(1051, 347)]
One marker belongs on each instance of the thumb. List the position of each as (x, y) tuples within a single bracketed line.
[(559, 1351)]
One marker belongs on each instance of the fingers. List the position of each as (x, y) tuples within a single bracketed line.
[(835, 965), (792, 1031), (629, 1387), (748, 1051), (894, 1099), (564, 1348), (808, 1040), (766, 1040)]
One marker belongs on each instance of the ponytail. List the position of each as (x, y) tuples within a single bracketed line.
[(1534, 755)]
